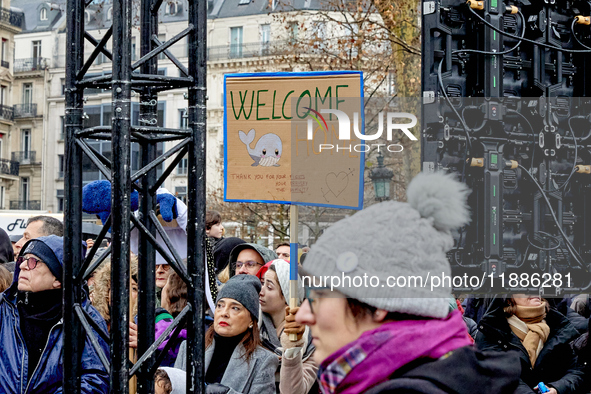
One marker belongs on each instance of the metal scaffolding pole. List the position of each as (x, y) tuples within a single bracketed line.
[(126, 78)]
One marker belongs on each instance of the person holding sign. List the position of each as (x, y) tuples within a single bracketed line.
[(297, 372)]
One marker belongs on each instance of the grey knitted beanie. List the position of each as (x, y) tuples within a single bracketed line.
[(394, 239), (245, 289)]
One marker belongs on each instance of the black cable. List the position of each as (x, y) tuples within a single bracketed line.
[(567, 242), (572, 29), (469, 143), (524, 39), (576, 152), (554, 238), (499, 53), (532, 131), (483, 121)]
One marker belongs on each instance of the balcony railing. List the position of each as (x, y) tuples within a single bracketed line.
[(4, 64), (28, 110), (30, 64), (30, 205), (9, 167), (240, 51), (12, 18), (6, 112), (25, 157)]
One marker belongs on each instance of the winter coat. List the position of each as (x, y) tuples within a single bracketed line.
[(256, 376), (556, 364), (163, 321), (296, 373), (47, 377), (464, 371)]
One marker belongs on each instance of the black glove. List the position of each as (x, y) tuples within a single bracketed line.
[(216, 388)]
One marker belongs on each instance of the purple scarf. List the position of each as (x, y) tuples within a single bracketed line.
[(377, 354)]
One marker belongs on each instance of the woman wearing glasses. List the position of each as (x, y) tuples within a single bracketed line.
[(235, 361), (378, 333), (297, 372)]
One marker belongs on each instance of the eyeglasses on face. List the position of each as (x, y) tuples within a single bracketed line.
[(313, 294), (248, 264), (31, 262)]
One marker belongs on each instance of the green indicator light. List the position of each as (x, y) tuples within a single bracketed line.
[(494, 239), (494, 35), (493, 3), (494, 191), (493, 158), (494, 82)]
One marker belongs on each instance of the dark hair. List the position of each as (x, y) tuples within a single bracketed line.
[(360, 310), (5, 278), (251, 340), (51, 226), (162, 376), (177, 294), (282, 244), (211, 219)]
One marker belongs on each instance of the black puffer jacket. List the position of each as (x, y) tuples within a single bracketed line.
[(556, 365), (464, 371)]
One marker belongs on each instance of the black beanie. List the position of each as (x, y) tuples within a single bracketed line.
[(221, 252)]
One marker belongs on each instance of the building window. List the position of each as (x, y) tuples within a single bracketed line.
[(25, 189), (184, 119), (36, 49), (133, 48), (181, 193), (27, 94), (60, 200), (161, 71), (236, 42), (293, 32), (162, 39), (62, 135), (265, 32), (171, 9), (4, 53), (60, 163), (110, 14), (2, 95), (181, 168), (43, 14), (26, 143), (87, 16)]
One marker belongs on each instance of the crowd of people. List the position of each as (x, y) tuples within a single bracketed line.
[(345, 339)]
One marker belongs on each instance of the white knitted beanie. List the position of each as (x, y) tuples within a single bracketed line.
[(394, 239), (281, 267)]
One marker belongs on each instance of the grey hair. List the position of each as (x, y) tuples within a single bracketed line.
[(51, 226)]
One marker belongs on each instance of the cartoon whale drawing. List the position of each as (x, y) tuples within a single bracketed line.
[(267, 150)]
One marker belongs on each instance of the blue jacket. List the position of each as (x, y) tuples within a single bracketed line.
[(47, 377)]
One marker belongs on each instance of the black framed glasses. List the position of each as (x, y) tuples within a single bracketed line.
[(31, 262), (317, 291), (248, 264)]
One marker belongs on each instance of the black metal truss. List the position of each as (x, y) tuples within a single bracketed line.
[(126, 78)]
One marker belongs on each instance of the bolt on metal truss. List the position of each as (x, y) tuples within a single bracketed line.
[(140, 77)]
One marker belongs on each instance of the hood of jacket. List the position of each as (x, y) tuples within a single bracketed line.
[(266, 253)]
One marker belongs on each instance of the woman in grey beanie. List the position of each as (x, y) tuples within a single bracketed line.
[(376, 338), (235, 361)]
